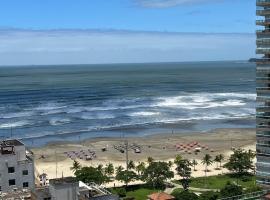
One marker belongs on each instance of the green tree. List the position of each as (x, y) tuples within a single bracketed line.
[(183, 168), (184, 195), (91, 174), (140, 168), (217, 161), (131, 165), (207, 161), (178, 157), (119, 168), (126, 176), (240, 162), (221, 158), (231, 190), (251, 154), (209, 195), (170, 163), (157, 173), (150, 160), (100, 167), (109, 169), (76, 166), (194, 163)]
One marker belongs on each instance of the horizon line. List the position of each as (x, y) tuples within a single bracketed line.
[(121, 63), (112, 30)]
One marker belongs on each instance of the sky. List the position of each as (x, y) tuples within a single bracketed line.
[(36, 32)]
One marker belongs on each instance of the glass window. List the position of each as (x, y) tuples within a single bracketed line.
[(25, 184), (11, 170), (12, 182), (25, 172)]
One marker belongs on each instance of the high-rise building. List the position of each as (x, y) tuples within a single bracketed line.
[(263, 93), (16, 167)]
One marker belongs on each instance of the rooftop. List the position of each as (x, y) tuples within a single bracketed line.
[(5, 143), (65, 180), (105, 197), (161, 196), (18, 194)]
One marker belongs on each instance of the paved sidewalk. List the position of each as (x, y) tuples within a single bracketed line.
[(176, 186)]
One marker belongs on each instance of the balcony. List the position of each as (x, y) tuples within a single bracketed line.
[(262, 174), (265, 31), (263, 50), (263, 22), (262, 42), (262, 128), (263, 90), (263, 99), (262, 120), (265, 12), (263, 3)]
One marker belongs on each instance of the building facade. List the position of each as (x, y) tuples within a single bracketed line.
[(263, 92), (16, 167)]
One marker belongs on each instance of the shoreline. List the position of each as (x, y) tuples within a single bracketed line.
[(52, 157), (151, 130)]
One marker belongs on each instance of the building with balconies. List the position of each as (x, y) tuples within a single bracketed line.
[(263, 93), (16, 167)]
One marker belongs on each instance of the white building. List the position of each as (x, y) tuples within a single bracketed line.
[(16, 167)]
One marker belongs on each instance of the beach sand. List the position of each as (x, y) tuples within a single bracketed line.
[(159, 147)]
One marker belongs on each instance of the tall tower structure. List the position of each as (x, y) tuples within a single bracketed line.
[(263, 93)]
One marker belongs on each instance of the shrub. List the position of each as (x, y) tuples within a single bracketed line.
[(255, 188), (121, 192), (231, 190), (245, 178), (129, 198), (184, 195), (210, 195)]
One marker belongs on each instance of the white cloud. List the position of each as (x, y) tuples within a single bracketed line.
[(23, 47), (169, 3)]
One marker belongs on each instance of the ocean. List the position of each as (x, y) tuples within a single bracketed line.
[(41, 104)]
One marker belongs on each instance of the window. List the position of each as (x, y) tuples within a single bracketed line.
[(25, 172), (0, 188), (11, 170), (12, 182), (25, 184)]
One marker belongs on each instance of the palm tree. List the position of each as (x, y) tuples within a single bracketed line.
[(194, 163), (170, 164), (76, 165), (109, 169), (100, 167), (207, 160), (140, 168), (150, 160), (119, 169), (251, 154), (221, 158), (217, 161), (131, 165)]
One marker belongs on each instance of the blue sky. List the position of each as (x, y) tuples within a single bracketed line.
[(87, 31)]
